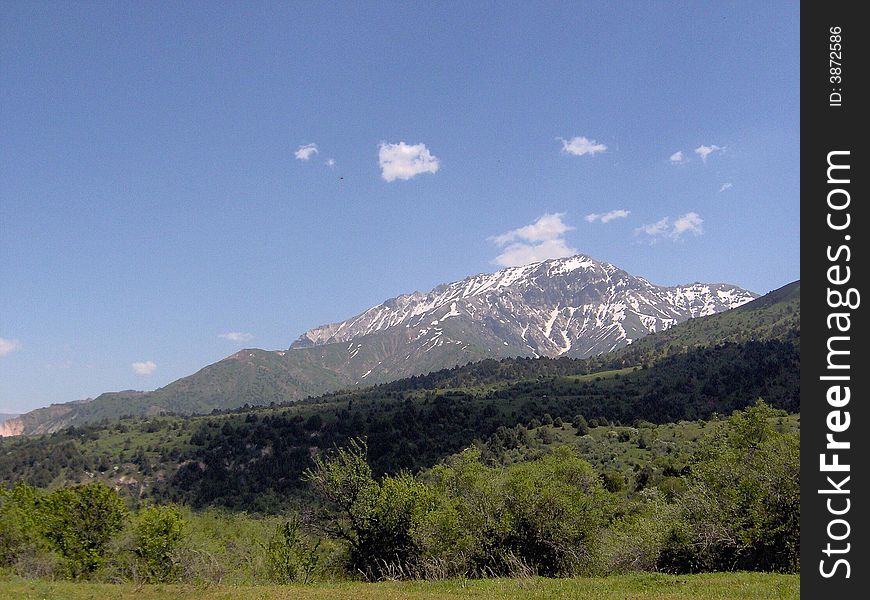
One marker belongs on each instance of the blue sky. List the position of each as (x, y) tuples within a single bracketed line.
[(161, 205)]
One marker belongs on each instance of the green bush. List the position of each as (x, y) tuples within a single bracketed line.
[(23, 546), (79, 522), (741, 509), (18, 522), (158, 532), (376, 519), (290, 557), (634, 541), (540, 516)]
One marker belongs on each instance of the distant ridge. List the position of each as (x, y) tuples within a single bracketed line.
[(576, 307)]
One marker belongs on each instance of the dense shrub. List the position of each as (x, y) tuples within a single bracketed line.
[(22, 544), (158, 532), (376, 519), (742, 507), (509, 506), (544, 515), (79, 522), (290, 557)]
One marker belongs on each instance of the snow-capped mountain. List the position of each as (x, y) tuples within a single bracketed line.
[(573, 306)]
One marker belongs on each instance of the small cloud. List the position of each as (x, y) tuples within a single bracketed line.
[(547, 227), (689, 223), (145, 367), (404, 161), (237, 336), (655, 229), (677, 157), (8, 346), (726, 186), (578, 146), (705, 151), (539, 241), (330, 162), (306, 152), (608, 216), (517, 255)]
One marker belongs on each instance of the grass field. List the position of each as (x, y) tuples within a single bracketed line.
[(708, 586)]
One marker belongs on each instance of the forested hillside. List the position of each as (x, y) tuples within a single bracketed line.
[(639, 459), (254, 458)]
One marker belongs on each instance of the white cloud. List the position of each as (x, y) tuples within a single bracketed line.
[(547, 227), (145, 367), (608, 216), (655, 229), (8, 346), (688, 223), (517, 255), (726, 186), (677, 157), (539, 241), (330, 162), (306, 152), (237, 336), (705, 151), (404, 161), (578, 146)]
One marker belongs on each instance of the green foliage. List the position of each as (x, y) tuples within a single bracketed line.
[(290, 558), (254, 460), (633, 541), (742, 507), (717, 495), (580, 425), (22, 545), (158, 532), (376, 519), (543, 514), (80, 521)]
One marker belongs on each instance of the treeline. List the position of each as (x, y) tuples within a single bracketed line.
[(256, 460), (253, 460), (736, 508)]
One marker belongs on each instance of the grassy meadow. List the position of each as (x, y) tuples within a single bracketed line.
[(647, 586)]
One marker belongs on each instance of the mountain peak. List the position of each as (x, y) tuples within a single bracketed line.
[(576, 306)]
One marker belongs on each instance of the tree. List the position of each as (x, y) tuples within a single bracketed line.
[(19, 523), (376, 519), (542, 515), (581, 425), (158, 530), (742, 506), (79, 521), (290, 557)]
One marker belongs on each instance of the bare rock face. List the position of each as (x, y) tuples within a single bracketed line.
[(11, 427)]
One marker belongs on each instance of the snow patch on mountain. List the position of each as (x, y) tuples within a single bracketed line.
[(574, 306)]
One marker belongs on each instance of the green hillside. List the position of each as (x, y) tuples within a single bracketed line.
[(258, 377), (253, 459), (774, 316)]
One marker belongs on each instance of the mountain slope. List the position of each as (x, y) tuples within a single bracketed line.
[(574, 307), (253, 459), (774, 316)]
